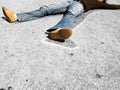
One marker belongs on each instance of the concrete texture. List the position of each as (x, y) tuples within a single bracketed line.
[(89, 60)]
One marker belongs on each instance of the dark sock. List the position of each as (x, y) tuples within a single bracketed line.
[(49, 30)]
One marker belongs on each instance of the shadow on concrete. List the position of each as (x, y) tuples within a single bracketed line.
[(70, 44), (81, 18)]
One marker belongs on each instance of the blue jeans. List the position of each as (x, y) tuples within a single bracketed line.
[(70, 9)]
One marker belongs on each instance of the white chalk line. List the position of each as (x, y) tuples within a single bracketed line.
[(59, 44)]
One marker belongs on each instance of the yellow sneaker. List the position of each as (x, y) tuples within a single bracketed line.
[(60, 34), (11, 16)]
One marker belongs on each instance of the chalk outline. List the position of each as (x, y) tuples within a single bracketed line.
[(43, 40)]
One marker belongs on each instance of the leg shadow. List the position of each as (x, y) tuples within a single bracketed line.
[(81, 18)]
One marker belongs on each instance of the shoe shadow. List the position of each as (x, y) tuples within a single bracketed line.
[(4, 18), (70, 44)]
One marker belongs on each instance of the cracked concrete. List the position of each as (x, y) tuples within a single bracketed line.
[(27, 63)]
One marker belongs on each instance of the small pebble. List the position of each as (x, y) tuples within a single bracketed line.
[(102, 42), (9, 88), (71, 54), (26, 80), (6, 51), (98, 76), (2, 89)]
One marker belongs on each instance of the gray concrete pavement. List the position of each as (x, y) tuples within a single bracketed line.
[(89, 60)]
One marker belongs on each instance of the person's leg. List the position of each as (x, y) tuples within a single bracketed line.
[(73, 10), (51, 9), (61, 30)]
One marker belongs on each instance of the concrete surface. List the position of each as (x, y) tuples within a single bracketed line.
[(89, 60)]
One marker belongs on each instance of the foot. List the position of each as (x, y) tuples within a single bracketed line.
[(10, 15), (60, 34)]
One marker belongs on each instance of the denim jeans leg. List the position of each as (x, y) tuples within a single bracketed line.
[(51, 9), (73, 10)]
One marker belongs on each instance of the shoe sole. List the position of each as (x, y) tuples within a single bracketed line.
[(8, 18), (60, 34)]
